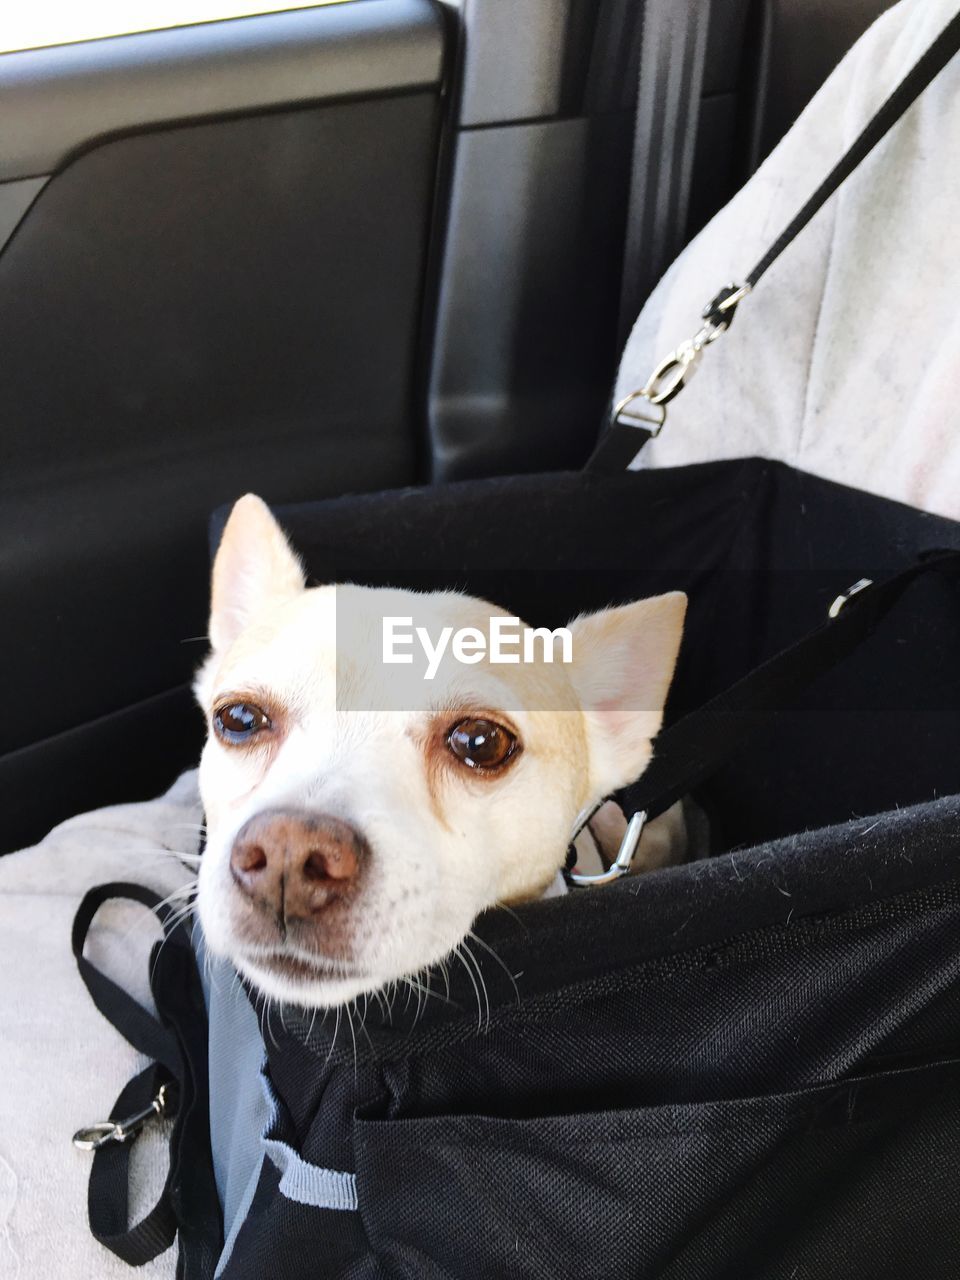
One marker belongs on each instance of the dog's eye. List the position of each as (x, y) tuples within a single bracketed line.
[(238, 721), (481, 744)]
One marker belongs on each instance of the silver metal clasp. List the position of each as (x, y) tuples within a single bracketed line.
[(646, 408), (104, 1131), (625, 854), (860, 585)]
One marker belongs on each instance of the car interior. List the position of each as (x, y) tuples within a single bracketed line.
[(339, 249)]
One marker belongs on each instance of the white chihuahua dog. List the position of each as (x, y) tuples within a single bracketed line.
[(361, 814)]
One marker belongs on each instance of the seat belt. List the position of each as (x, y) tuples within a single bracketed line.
[(696, 746), (673, 52), (640, 416)]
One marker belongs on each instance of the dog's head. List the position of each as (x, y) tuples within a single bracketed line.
[(360, 815)]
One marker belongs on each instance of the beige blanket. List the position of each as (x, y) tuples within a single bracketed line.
[(62, 1065)]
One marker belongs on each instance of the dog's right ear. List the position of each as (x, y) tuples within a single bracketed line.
[(254, 568)]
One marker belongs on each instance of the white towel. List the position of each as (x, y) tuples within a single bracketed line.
[(61, 1063)]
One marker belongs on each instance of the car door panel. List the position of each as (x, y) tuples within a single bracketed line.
[(229, 302)]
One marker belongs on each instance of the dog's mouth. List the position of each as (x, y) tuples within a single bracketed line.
[(297, 968)]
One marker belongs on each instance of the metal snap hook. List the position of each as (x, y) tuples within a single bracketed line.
[(98, 1135), (625, 854), (673, 372), (860, 585)]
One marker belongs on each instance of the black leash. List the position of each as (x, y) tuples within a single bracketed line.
[(688, 752), (640, 416), (906, 93), (174, 1086)]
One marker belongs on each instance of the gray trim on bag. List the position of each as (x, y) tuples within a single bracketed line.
[(301, 1181), (236, 1047)]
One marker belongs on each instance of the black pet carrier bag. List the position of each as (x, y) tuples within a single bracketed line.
[(746, 1067)]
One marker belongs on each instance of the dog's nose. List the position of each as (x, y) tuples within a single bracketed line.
[(295, 863)]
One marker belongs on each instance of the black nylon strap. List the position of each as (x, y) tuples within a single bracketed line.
[(142, 1030), (188, 1203), (617, 447), (107, 1192), (688, 752), (906, 93)]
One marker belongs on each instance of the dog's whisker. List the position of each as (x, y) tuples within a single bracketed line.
[(167, 935), (480, 978), (182, 891), (266, 1028), (426, 988), (211, 974), (155, 851), (363, 1022), (510, 912), (181, 915), (460, 956), (353, 1037), (409, 990), (486, 946), (414, 986), (333, 1042), (390, 993)]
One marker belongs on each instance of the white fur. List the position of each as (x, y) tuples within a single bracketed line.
[(355, 745)]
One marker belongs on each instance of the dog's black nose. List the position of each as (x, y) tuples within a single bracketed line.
[(294, 863)]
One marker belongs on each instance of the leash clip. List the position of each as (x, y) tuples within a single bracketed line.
[(622, 863), (860, 585), (675, 370), (104, 1131)]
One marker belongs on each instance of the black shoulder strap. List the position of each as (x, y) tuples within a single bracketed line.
[(640, 416), (906, 93), (173, 1085), (689, 751)]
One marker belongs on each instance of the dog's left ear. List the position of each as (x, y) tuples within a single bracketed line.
[(623, 662), (254, 568)]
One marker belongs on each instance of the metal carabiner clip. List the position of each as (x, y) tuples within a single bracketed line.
[(104, 1131), (622, 863), (860, 585), (646, 408)]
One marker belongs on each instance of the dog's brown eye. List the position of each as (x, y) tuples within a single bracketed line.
[(238, 721), (481, 744)]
